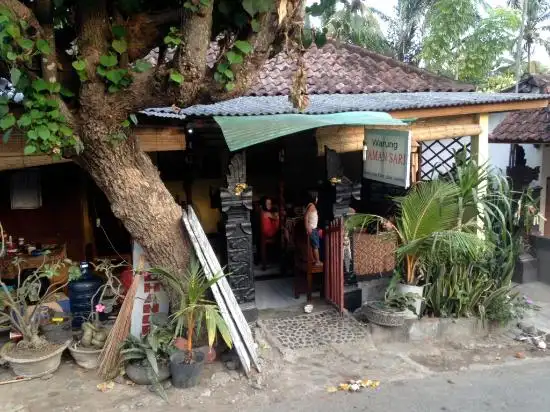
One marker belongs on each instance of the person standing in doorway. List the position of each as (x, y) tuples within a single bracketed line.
[(311, 220)]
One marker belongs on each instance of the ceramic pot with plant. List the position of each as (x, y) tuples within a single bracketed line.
[(147, 359), (33, 355), (194, 312), (394, 309), (87, 349), (431, 226)]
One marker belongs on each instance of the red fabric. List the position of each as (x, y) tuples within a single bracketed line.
[(270, 226)]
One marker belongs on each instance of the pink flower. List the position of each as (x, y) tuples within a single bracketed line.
[(99, 308)]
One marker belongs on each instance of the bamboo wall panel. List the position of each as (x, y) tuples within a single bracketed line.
[(151, 139), (345, 139)]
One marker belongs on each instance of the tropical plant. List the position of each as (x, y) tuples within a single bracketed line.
[(407, 29), (536, 15), (429, 228), (354, 23), (193, 310), (26, 319), (465, 42), (149, 351)]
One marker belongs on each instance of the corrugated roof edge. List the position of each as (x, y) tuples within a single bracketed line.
[(340, 103)]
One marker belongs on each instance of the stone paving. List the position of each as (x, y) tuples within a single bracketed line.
[(315, 329)]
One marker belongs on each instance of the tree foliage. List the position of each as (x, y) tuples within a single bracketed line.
[(43, 40), (464, 44)]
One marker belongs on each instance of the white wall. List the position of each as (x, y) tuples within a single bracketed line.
[(499, 153)]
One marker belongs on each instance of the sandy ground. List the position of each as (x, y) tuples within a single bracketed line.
[(288, 376)]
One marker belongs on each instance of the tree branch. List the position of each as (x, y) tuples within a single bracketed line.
[(22, 12), (273, 32)]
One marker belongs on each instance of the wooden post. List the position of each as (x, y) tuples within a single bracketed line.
[(480, 155)]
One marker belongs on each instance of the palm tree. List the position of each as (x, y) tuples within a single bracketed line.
[(406, 28), (430, 227), (535, 14), (357, 24)]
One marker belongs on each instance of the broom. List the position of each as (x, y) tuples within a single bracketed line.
[(109, 357)]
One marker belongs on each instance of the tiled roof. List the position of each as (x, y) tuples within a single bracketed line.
[(338, 103), (346, 69), (527, 126)]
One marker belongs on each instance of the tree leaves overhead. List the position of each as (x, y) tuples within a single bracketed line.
[(463, 44)]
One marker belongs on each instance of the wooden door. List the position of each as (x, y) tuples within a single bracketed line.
[(334, 264)]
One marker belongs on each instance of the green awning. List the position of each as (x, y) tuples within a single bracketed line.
[(245, 131)]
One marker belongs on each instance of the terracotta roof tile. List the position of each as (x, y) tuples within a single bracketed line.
[(341, 68), (528, 126)]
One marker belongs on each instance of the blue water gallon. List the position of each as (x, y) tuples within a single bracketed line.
[(81, 292)]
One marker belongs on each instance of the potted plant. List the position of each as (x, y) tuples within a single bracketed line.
[(33, 355), (394, 309), (147, 359), (430, 228), (194, 312), (87, 349)]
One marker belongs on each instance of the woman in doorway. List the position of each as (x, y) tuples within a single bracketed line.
[(269, 218), (311, 220)]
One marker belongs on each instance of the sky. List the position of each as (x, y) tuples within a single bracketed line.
[(388, 7)]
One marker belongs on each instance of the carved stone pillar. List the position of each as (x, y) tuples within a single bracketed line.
[(236, 204), (343, 192)]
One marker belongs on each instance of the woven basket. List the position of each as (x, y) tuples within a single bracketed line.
[(377, 313)]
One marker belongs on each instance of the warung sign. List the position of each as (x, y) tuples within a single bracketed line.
[(388, 156)]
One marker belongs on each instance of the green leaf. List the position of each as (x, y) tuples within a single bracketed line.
[(115, 76), (250, 7), (13, 31), (229, 74), (66, 92), (29, 149), (15, 75), (113, 88), (65, 130), (120, 46), (133, 118), (24, 121), (256, 26), (79, 65), (176, 77), (26, 44), (7, 136), (126, 123), (234, 58), (108, 61), (101, 71), (43, 46), (243, 46), (39, 85), (36, 114), (4, 110), (229, 86), (24, 25), (118, 31), (218, 77), (7, 121), (54, 127), (10, 55), (142, 66), (222, 67), (43, 132), (32, 135)]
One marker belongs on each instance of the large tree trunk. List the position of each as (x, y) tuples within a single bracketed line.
[(137, 195)]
